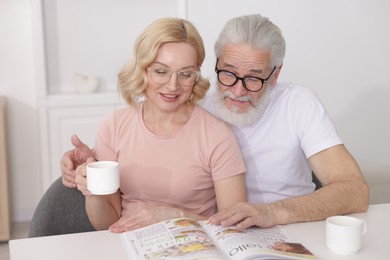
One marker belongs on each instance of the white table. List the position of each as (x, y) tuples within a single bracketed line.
[(106, 245), (375, 242)]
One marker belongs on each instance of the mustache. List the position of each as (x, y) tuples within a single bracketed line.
[(246, 98)]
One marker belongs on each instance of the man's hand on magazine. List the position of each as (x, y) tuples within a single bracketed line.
[(73, 158), (245, 215), (142, 215)]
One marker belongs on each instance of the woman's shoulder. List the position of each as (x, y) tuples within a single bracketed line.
[(206, 115), (125, 111), (209, 120), (121, 114)]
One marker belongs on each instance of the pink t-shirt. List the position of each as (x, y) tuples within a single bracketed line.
[(176, 170)]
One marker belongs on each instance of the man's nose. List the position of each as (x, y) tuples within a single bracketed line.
[(239, 89)]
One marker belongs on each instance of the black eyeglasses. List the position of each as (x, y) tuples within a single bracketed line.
[(250, 83)]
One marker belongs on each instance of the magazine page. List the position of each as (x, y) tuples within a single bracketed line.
[(256, 243), (180, 238)]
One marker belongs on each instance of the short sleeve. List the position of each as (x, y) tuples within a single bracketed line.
[(105, 140), (314, 125)]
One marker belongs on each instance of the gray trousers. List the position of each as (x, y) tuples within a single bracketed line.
[(60, 211)]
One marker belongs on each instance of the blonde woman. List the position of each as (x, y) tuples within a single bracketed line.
[(175, 158)]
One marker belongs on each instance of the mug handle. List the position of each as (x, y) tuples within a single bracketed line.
[(364, 226)]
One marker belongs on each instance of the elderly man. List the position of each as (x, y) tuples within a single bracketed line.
[(284, 132)]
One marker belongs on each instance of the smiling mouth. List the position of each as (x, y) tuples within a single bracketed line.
[(236, 100), (238, 103), (169, 96)]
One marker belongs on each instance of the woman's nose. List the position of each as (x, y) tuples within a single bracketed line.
[(172, 82)]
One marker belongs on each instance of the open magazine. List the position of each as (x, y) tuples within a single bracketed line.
[(184, 238)]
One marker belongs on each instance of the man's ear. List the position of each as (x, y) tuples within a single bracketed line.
[(276, 75)]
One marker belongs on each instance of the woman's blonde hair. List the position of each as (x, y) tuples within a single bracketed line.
[(133, 79)]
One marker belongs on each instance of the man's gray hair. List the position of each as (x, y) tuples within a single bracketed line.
[(255, 30)]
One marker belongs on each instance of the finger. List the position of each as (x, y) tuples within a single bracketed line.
[(81, 181), (81, 175), (78, 144), (67, 170), (217, 218), (66, 161), (234, 218), (246, 223), (69, 184), (83, 189), (90, 159), (83, 171), (122, 225), (129, 225), (69, 176), (231, 216), (75, 140), (137, 218), (68, 181), (67, 173)]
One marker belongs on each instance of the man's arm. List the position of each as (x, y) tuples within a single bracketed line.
[(345, 191)]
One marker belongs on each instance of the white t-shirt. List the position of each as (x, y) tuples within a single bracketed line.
[(294, 127)]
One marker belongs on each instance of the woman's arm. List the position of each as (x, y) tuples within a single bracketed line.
[(230, 191), (102, 210)]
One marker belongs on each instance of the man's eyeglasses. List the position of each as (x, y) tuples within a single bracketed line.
[(161, 75), (250, 83)]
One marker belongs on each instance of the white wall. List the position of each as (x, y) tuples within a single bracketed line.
[(17, 84), (337, 47)]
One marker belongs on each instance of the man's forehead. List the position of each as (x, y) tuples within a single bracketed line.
[(244, 55), (250, 64)]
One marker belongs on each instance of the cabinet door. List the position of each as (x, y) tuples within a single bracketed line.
[(64, 122)]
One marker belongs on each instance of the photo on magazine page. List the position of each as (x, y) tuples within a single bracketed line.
[(180, 238), (256, 243)]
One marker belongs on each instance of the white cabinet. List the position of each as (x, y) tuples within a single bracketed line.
[(66, 115), (76, 118)]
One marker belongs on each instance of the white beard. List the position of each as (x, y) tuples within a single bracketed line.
[(233, 117)]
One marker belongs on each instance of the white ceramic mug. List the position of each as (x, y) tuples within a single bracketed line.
[(344, 234), (103, 177)]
